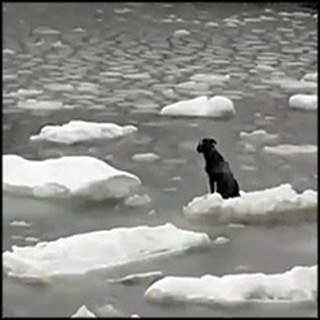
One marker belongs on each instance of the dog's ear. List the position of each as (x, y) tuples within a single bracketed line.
[(214, 142)]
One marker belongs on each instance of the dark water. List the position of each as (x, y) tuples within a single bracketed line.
[(133, 38)]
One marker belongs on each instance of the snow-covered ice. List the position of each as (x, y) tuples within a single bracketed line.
[(33, 104), (181, 33), (83, 312), (278, 204), (217, 107), (304, 101), (105, 249), (210, 78), (77, 131), (290, 151), (221, 240), (20, 223), (137, 200), (310, 77), (258, 138), (145, 157), (80, 176), (295, 285)]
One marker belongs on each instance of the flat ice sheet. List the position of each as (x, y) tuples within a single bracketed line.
[(105, 249), (297, 284), (65, 177), (77, 131), (278, 204)]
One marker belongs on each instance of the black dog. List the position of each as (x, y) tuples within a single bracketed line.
[(218, 170)]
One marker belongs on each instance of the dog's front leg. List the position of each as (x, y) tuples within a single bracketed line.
[(211, 185)]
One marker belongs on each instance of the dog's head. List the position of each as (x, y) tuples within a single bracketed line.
[(206, 145)]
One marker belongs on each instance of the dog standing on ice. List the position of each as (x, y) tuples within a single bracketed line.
[(218, 170)]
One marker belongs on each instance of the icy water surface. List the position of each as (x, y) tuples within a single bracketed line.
[(122, 63)]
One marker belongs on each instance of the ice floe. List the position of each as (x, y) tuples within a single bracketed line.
[(181, 33), (210, 78), (41, 105), (217, 107), (310, 77), (77, 131), (105, 249), (304, 101), (79, 176), (83, 312), (59, 87), (146, 157), (295, 285), (274, 205), (258, 138), (29, 92), (289, 151), (137, 200), (138, 278), (20, 223)]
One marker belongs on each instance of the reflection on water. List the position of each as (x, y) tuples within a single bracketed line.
[(121, 63)]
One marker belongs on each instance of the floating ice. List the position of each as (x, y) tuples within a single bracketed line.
[(29, 92), (77, 131), (137, 200), (105, 249), (217, 107), (221, 240), (40, 105), (293, 151), (295, 285), (88, 87), (181, 33), (83, 312), (304, 101), (299, 86), (80, 176), (147, 157), (8, 51), (210, 78), (138, 278), (311, 77), (278, 204), (47, 31), (258, 138), (58, 87), (20, 223)]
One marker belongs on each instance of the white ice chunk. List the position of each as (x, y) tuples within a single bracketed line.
[(148, 157), (278, 204), (40, 105), (304, 101), (258, 138), (137, 200), (217, 107), (105, 249), (59, 87), (77, 131), (310, 77), (83, 312), (81, 176), (297, 284), (181, 33), (20, 223), (290, 151), (29, 92), (210, 78)]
